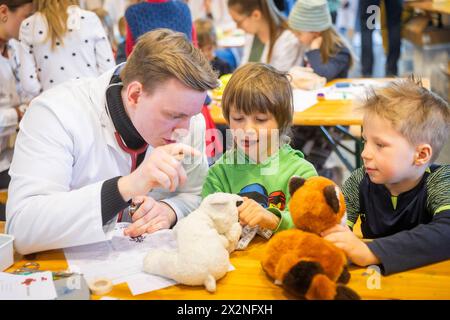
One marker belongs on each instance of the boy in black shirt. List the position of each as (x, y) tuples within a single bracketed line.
[(403, 200)]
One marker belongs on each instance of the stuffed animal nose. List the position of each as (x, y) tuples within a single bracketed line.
[(238, 203)]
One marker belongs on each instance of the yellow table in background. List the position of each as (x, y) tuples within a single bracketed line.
[(330, 113), (249, 282), (436, 6), (324, 113)]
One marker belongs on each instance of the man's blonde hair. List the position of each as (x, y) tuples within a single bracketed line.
[(258, 87), (418, 114), (163, 54)]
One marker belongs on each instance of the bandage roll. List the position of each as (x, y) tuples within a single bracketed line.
[(101, 286)]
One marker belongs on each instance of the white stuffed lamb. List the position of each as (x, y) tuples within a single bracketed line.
[(205, 239)]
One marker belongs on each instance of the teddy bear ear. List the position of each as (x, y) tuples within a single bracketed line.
[(331, 194), (295, 183)]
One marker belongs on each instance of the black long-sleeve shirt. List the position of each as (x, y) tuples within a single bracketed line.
[(410, 230)]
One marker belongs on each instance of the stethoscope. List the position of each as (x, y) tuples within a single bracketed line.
[(134, 153)]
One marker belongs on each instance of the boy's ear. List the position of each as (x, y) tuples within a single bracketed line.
[(423, 155)]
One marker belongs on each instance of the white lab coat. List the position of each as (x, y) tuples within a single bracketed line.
[(65, 150), (287, 51)]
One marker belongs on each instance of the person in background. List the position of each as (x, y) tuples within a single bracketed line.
[(121, 55), (206, 37), (12, 103), (215, 10), (327, 52), (329, 56), (269, 39), (334, 6), (153, 14), (59, 42), (116, 10), (394, 9), (108, 25)]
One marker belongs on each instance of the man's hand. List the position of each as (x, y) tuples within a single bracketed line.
[(355, 249), (252, 213), (162, 169), (150, 217)]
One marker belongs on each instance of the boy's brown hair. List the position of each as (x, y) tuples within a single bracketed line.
[(163, 54), (206, 33), (420, 115), (259, 87)]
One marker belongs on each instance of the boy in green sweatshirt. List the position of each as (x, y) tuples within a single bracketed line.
[(257, 104)]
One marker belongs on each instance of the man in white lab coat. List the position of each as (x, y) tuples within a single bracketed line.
[(79, 142)]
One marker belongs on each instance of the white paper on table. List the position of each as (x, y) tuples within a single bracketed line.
[(36, 286), (142, 283), (355, 90), (304, 99), (119, 258)]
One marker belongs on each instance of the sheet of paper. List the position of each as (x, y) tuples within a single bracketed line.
[(304, 99), (121, 258), (355, 90), (36, 286), (143, 282)]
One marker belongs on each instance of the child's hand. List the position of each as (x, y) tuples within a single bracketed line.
[(316, 43), (355, 249), (252, 213)]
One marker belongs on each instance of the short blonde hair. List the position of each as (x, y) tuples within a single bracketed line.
[(418, 114), (163, 54), (259, 87)]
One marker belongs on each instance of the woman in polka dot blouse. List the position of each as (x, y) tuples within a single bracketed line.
[(60, 42)]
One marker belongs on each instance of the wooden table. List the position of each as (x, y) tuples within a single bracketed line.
[(324, 113), (440, 6), (249, 281), (330, 113)]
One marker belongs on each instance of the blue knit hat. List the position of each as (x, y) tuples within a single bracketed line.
[(310, 15), (147, 16)]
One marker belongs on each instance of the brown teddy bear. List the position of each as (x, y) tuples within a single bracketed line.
[(307, 265)]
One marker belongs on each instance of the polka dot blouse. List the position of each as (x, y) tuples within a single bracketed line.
[(84, 51)]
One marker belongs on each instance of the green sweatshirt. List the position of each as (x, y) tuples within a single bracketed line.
[(267, 183)]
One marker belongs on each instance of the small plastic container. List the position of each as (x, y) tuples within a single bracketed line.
[(6, 251)]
